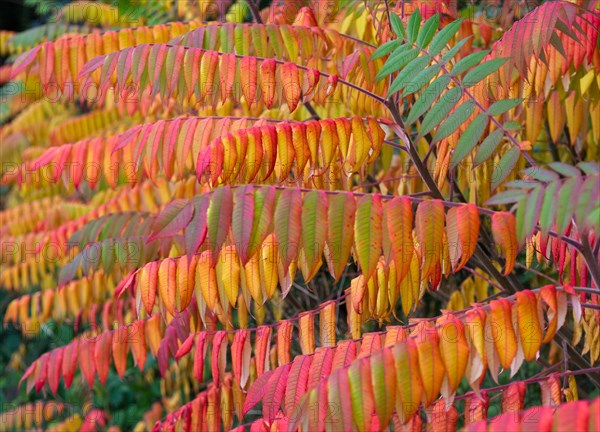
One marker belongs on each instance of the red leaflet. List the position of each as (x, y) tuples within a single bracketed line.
[(69, 363), (397, 234), (219, 356), (242, 220), (248, 78), (137, 343), (176, 216), (345, 353), (102, 351), (86, 360), (320, 366), (240, 356), (195, 232), (290, 82), (256, 391), (505, 235), (268, 81), (284, 342), (262, 346), (54, 369), (185, 347), (297, 382), (119, 349), (199, 356), (513, 397), (275, 390)]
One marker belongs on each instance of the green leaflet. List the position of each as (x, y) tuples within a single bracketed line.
[(368, 233), (397, 25), (356, 394), (287, 222), (565, 210), (441, 39), (219, 218), (505, 166), (468, 62), (108, 254), (528, 210), (506, 197), (340, 237), (488, 146), (422, 79), (458, 117), (522, 184), (548, 207), (468, 139), (427, 31), (121, 252), (586, 199), (540, 174), (314, 228), (242, 219), (386, 48), (440, 110), (511, 125), (501, 106), (226, 41), (564, 169), (427, 98), (590, 168), (449, 55), (397, 60), (482, 71), (404, 77), (414, 23), (264, 202)]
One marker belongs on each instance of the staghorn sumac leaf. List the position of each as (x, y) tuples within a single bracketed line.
[(275, 391), (460, 114), (505, 235), (383, 376), (242, 220), (441, 38), (297, 382), (368, 233), (427, 32), (506, 165), (287, 224), (429, 228), (199, 356), (454, 352), (462, 230), (431, 365), (257, 391), (437, 112), (314, 231), (505, 340), (413, 26), (262, 347), (219, 216), (468, 140), (427, 99), (219, 356), (530, 331), (87, 362), (167, 283), (240, 354), (409, 383), (321, 365), (361, 394)]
